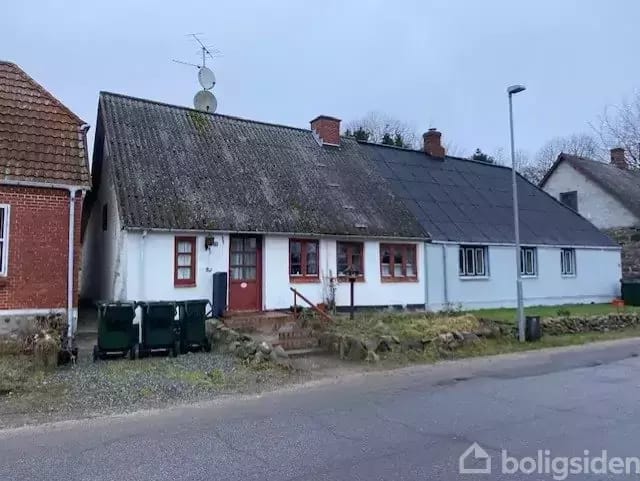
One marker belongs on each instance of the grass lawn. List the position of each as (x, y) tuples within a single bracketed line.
[(509, 314)]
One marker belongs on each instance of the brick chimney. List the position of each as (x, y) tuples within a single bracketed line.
[(618, 159), (327, 129), (432, 144)]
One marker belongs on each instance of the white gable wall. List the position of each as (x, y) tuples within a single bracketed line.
[(594, 204), (597, 279)]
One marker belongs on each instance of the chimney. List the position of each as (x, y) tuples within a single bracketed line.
[(326, 129), (618, 159), (432, 144)]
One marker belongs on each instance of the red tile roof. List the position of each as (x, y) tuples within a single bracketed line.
[(41, 140)]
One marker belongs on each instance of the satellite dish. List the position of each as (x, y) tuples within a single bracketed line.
[(206, 78), (205, 101)]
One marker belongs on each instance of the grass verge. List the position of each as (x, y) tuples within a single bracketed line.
[(508, 314)]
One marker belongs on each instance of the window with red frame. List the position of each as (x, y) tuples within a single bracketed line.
[(185, 261), (350, 255), (303, 258), (398, 261)]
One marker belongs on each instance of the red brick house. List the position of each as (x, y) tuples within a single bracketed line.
[(44, 175)]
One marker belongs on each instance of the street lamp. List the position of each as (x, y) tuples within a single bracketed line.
[(514, 89)]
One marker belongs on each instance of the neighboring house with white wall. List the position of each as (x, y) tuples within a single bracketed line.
[(181, 194), (606, 194)]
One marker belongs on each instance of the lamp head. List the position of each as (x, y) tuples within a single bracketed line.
[(514, 89)]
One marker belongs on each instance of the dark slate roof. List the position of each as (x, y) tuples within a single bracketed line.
[(41, 140), (624, 185), (177, 168), (467, 201)]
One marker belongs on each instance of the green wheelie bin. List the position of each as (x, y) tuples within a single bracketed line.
[(192, 315), (117, 334), (160, 330)]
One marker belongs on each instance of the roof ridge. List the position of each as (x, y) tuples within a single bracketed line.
[(420, 151), (43, 90), (191, 109)]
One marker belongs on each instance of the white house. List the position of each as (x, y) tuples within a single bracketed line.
[(180, 194), (606, 194)]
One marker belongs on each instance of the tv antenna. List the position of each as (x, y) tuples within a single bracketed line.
[(204, 99)]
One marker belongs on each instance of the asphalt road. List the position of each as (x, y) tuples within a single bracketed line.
[(408, 424)]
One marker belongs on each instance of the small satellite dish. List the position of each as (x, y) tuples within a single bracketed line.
[(205, 101), (206, 78)]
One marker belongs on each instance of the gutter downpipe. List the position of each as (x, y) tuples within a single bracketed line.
[(71, 320), (426, 276), (142, 294), (445, 287)]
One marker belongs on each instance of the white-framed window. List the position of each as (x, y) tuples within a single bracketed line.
[(568, 262), (4, 239), (473, 261), (528, 261)]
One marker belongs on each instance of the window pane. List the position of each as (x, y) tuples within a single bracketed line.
[(470, 262), (385, 257), (2, 224), (184, 260), (250, 244), (461, 266), (184, 272), (184, 247), (236, 259), (386, 272), (397, 270), (249, 273), (480, 271), (356, 262), (296, 269), (397, 256), (312, 248), (250, 259), (294, 255), (236, 273), (2, 266), (236, 244), (410, 270)]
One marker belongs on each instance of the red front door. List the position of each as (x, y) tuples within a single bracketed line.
[(245, 273)]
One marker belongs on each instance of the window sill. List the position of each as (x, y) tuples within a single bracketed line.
[(191, 284), (304, 280), (474, 278), (523, 276), (567, 276), (398, 279)]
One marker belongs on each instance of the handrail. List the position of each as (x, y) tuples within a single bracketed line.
[(311, 304)]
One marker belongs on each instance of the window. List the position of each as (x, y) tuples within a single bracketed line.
[(4, 239), (244, 258), (303, 259), (398, 262), (570, 199), (350, 255), (185, 262), (472, 261), (568, 262), (528, 264), (105, 218)]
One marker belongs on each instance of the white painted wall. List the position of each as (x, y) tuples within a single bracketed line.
[(597, 279), (150, 277), (594, 204), (103, 254), (371, 292)]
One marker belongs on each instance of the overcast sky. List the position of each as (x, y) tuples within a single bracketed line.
[(435, 63)]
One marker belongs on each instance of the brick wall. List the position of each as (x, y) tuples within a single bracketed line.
[(38, 248), (629, 239)]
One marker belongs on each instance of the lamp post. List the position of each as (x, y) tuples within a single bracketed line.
[(514, 89)]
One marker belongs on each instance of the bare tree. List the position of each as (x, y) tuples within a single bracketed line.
[(583, 145), (619, 126), (378, 124)]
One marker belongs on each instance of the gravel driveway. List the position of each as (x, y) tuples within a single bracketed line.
[(120, 385)]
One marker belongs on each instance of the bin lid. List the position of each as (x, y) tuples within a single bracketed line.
[(156, 303), (131, 304), (194, 301)]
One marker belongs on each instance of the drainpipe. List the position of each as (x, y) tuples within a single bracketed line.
[(70, 264), (141, 290), (445, 287), (426, 276)]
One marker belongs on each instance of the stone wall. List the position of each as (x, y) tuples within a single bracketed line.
[(629, 239), (16, 324), (603, 323)]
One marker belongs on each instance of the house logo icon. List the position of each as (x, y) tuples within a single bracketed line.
[(474, 460)]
